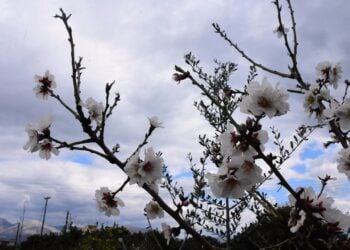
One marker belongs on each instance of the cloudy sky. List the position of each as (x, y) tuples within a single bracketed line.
[(137, 44)]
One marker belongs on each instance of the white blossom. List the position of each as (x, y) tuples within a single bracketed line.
[(44, 123), (107, 203), (152, 166), (132, 167), (229, 141), (337, 220), (250, 172), (95, 109), (34, 130), (167, 232), (155, 185), (307, 194), (148, 171), (46, 147), (343, 113), (264, 99), (154, 122), (313, 101), (340, 111), (296, 220), (344, 162), (321, 205), (280, 30), (153, 210), (233, 178), (262, 137), (32, 144), (44, 86), (329, 72)]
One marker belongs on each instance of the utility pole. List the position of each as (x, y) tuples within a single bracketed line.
[(22, 223), (65, 228), (42, 226)]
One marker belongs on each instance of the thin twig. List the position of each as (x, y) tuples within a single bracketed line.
[(143, 143), (121, 187), (244, 55), (68, 145), (292, 54), (58, 98)]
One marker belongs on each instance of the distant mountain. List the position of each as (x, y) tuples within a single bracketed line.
[(29, 228), (4, 224), (8, 230), (136, 229)]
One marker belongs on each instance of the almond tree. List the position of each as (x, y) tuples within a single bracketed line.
[(237, 150)]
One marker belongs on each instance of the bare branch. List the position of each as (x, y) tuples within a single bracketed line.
[(143, 143), (244, 55), (58, 98), (121, 187)]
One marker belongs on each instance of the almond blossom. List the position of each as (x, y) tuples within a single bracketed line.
[(230, 142), (340, 111), (132, 169), (107, 203), (344, 162), (225, 185), (336, 220), (280, 30), (264, 99), (234, 177), (329, 72), (167, 232), (32, 144), (36, 132), (296, 220), (46, 147), (44, 86), (313, 101), (251, 173), (153, 210), (343, 113), (154, 122), (179, 77), (95, 109), (321, 207), (148, 171)]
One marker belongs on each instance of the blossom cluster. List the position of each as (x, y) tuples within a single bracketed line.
[(238, 172), (321, 207), (318, 96), (329, 72), (39, 138), (314, 100)]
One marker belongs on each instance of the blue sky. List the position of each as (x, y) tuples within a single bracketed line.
[(137, 43)]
